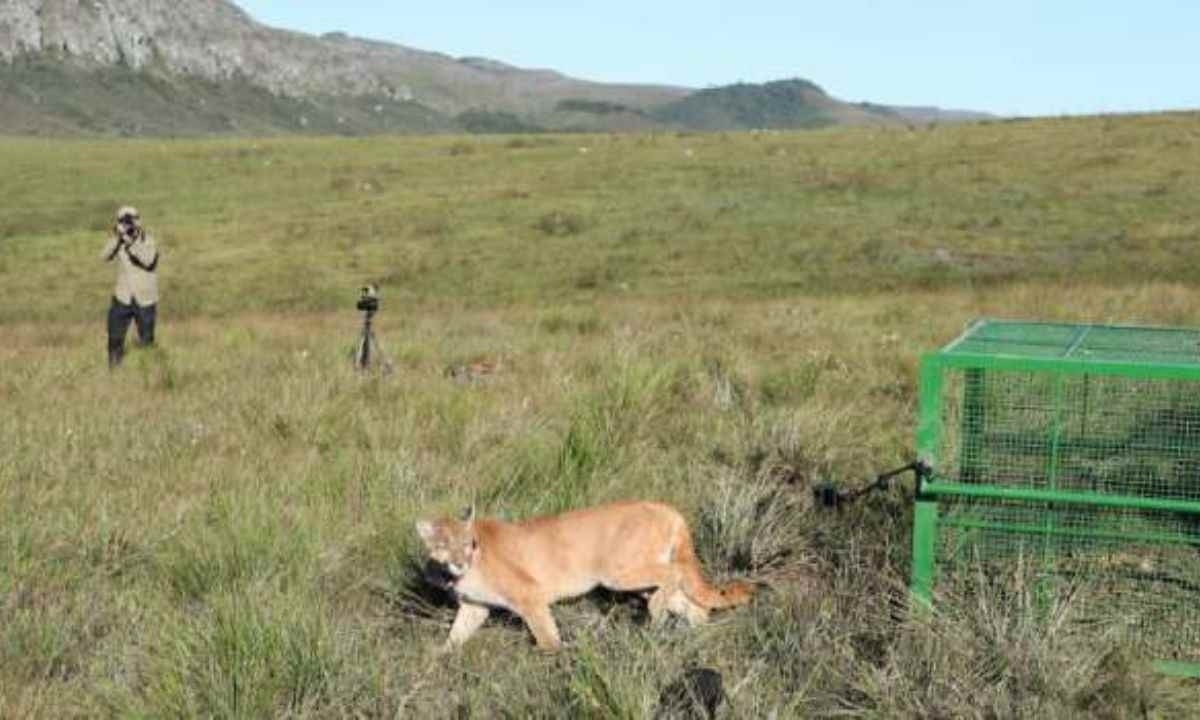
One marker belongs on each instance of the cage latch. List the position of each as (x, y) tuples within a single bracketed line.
[(826, 495)]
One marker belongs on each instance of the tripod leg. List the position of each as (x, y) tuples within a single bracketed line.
[(381, 357), (362, 354)]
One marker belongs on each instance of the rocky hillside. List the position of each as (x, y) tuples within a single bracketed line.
[(148, 67)]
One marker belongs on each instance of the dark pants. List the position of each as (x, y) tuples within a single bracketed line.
[(119, 317)]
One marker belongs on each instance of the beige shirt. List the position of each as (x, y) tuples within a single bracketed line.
[(137, 265)]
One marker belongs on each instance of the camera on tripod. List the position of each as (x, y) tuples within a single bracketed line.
[(368, 352), (368, 300)]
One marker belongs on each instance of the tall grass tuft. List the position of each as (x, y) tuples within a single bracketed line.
[(582, 464), (750, 524), (239, 658), (237, 543)]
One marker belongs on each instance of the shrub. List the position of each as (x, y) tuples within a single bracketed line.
[(560, 224)]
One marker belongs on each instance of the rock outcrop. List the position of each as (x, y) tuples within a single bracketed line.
[(217, 41)]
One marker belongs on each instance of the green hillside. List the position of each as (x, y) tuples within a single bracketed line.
[(782, 105), (44, 97)]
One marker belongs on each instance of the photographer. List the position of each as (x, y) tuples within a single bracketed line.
[(136, 295)]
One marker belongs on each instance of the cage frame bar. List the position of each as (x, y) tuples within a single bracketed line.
[(934, 488)]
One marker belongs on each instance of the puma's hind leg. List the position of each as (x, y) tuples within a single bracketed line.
[(683, 606), (656, 582), (676, 602), (672, 600), (657, 604)]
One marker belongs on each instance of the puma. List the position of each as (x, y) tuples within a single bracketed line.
[(524, 567)]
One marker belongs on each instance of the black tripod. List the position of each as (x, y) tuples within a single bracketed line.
[(368, 351)]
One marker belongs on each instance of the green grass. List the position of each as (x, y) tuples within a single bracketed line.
[(224, 527), (643, 216)]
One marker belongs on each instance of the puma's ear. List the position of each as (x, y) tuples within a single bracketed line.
[(469, 514), (425, 530)]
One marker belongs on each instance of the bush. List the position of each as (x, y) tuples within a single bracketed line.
[(560, 224)]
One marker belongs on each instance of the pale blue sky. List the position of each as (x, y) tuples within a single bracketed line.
[(1020, 57)]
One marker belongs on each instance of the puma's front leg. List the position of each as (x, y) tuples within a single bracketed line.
[(469, 618), (541, 624)]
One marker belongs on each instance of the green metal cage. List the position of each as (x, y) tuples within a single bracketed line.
[(1073, 450)]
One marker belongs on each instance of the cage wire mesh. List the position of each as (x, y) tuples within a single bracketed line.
[(1075, 450), (1093, 433)]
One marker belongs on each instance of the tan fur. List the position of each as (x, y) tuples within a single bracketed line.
[(475, 371), (526, 566)]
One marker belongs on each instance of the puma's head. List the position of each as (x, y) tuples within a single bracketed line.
[(452, 545)]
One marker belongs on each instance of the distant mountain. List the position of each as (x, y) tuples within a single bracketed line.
[(785, 104), (925, 114), (148, 67)]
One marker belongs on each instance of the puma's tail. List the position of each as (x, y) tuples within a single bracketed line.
[(697, 588)]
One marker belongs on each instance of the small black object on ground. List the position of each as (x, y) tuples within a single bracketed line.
[(695, 696), (828, 496)]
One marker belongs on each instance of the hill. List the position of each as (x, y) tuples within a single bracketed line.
[(211, 55), (142, 67), (786, 104)]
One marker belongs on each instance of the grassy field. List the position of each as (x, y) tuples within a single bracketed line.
[(224, 527)]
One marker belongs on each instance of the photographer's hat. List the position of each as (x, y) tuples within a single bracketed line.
[(127, 211)]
